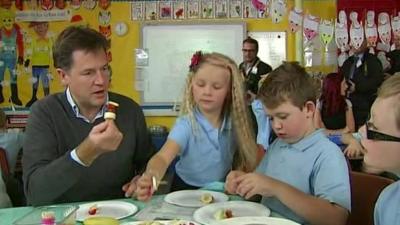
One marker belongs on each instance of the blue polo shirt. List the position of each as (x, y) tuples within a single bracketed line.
[(387, 208), (313, 165), (206, 153), (263, 123)]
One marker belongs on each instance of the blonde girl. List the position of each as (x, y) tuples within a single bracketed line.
[(212, 134)]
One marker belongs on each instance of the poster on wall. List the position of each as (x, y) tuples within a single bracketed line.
[(221, 9), (165, 10), (249, 11), (137, 11), (178, 10), (235, 9), (151, 11), (207, 9), (193, 8)]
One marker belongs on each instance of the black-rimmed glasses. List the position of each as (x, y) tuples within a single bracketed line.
[(375, 135)]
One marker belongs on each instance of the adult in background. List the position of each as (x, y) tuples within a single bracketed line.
[(364, 74), (252, 68), (71, 153), (394, 56)]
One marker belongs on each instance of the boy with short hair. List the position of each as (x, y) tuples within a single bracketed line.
[(303, 177), (381, 142)]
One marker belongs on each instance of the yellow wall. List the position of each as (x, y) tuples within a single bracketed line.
[(123, 47)]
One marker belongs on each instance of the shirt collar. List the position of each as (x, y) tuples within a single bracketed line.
[(75, 108), (226, 123), (307, 141)]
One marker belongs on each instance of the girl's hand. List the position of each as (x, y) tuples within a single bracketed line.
[(255, 183), (145, 190), (230, 184)]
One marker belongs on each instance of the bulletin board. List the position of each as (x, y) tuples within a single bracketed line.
[(169, 47)]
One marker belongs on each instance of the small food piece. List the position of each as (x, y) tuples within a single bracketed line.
[(151, 223), (223, 214), (92, 210), (206, 198), (111, 112), (101, 221), (180, 222), (48, 218)]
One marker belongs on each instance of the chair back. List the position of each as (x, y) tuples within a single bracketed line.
[(365, 190), (5, 169)]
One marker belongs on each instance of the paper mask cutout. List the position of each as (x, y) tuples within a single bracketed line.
[(60, 4), (262, 7), (371, 32), (384, 28), (341, 32), (278, 10), (89, 4), (75, 4), (47, 4), (310, 27), (396, 25), (326, 31), (104, 4), (105, 31), (104, 17), (295, 19), (356, 31)]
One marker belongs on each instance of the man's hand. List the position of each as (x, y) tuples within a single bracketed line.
[(130, 187), (104, 137)]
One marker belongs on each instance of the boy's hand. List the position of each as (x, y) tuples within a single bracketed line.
[(254, 183), (230, 184), (130, 187), (353, 149), (144, 190)]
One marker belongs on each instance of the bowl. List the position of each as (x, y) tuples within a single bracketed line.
[(64, 215)]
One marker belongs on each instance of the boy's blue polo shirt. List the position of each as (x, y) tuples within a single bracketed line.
[(263, 123), (314, 165), (387, 208), (206, 155)]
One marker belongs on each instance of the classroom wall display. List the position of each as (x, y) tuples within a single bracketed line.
[(170, 47), (267, 50)]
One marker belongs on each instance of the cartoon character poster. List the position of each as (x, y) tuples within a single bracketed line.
[(249, 11), (235, 9), (193, 9), (178, 10), (207, 9), (221, 9), (137, 9), (165, 10)]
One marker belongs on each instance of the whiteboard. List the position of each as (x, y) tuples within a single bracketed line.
[(271, 47), (170, 48)]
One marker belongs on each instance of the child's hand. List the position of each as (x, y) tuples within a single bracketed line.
[(254, 183), (145, 190), (230, 184)]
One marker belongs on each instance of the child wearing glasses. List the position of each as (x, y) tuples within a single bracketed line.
[(304, 176), (381, 142)]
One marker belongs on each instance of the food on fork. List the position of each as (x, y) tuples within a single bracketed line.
[(48, 218), (206, 198), (111, 112), (223, 214), (93, 209)]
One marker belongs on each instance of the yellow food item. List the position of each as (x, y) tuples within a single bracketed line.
[(101, 221), (206, 198), (223, 214)]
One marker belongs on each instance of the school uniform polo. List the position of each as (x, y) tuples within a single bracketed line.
[(387, 208), (206, 153), (313, 165), (264, 126)]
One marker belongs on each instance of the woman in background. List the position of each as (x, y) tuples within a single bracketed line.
[(334, 111)]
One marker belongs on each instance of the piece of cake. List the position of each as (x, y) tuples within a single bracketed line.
[(223, 214), (111, 112), (206, 198)]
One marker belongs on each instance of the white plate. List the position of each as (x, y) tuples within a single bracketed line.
[(191, 198), (205, 215), (115, 209), (255, 221), (163, 222)]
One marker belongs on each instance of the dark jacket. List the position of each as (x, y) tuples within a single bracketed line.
[(253, 76)]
